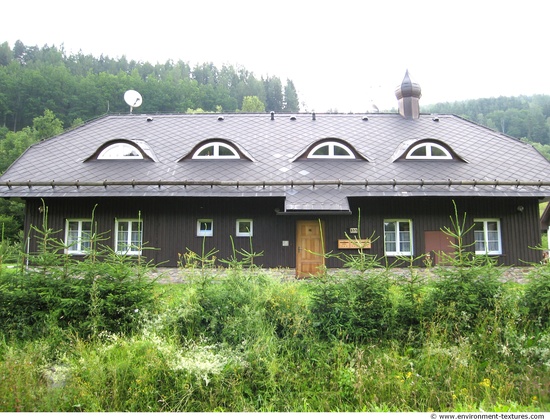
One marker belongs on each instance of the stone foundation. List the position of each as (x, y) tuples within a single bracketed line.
[(175, 275)]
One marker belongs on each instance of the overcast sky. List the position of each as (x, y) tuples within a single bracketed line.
[(342, 55)]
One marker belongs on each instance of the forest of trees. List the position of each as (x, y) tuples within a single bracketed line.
[(525, 117), (82, 87)]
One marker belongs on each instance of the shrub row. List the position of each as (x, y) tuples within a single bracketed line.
[(33, 302), (357, 307), (246, 341), (354, 307)]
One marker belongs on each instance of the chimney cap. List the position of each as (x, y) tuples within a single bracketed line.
[(408, 88)]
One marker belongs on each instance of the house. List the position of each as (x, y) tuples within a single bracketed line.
[(294, 185)]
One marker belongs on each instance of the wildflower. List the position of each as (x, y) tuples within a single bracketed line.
[(486, 383)]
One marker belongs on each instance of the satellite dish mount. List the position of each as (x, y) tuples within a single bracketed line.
[(133, 99)]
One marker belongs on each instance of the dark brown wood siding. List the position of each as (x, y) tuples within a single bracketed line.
[(519, 229), (169, 224)]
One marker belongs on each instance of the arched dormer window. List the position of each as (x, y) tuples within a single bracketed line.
[(330, 150), (425, 149), (216, 150), (122, 149), (430, 151), (118, 151)]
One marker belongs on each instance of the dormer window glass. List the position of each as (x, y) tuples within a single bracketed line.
[(330, 150), (429, 151), (216, 150), (120, 151)]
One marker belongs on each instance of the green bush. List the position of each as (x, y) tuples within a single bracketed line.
[(103, 292), (408, 296), (354, 308), (467, 287), (229, 307), (286, 308), (537, 295), (460, 295), (32, 302)]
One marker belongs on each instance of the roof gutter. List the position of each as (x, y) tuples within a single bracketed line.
[(287, 183)]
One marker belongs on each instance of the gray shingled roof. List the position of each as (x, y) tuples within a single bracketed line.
[(500, 165)]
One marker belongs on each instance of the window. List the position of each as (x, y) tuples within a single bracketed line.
[(118, 151), (216, 150), (205, 228), (429, 151), (331, 150), (244, 228), (487, 237), (398, 237), (129, 236), (78, 235)]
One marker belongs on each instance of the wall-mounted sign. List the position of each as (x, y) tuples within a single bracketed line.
[(354, 244)]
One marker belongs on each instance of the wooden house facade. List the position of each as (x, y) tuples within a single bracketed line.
[(293, 187)]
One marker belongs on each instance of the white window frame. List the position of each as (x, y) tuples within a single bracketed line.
[(128, 248), (399, 243), (204, 232), (486, 238), (330, 155), (429, 155), (116, 151), (74, 247), (216, 155), (248, 233)]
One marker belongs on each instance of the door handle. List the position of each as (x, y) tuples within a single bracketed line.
[(299, 249)]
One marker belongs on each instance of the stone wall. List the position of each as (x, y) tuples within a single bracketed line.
[(168, 275)]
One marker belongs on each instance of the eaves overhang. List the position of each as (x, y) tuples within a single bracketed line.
[(302, 195)]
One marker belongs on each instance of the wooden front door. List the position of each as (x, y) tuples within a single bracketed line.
[(437, 244), (309, 250)]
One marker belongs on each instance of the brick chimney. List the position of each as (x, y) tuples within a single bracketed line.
[(408, 95)]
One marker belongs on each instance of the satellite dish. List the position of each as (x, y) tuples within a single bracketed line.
[(133, 99)]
